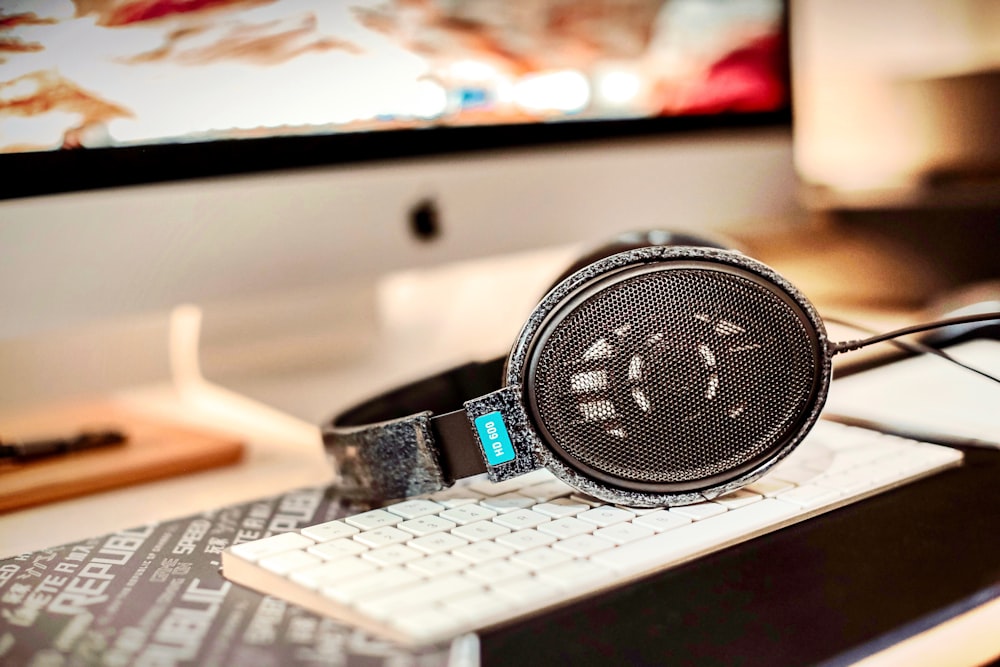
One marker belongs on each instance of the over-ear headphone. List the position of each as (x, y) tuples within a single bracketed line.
[(651, 374)]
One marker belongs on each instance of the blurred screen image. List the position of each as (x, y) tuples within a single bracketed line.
[(103, 73)]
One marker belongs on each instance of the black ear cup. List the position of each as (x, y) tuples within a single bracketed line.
[(667, 374)]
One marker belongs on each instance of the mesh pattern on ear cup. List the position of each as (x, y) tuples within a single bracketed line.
[(674, 376)]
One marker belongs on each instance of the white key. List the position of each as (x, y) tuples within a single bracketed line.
[(699, 511), (622, 533), (495, 572), (583, 546), (330, 573), (337, 549), (793, 474), (849, 482), (437, 564), (521, 518), (430, 624), (547, 490), (394, 554), (574, 574), (426, 525), (480, 530), (584, 498), (507, 502), (769, 487), (456, 496), (437, 542), (661, 520), (701, 536), (481, 552), (567, 526), (542, 557), (605, 516), (479, 605), (418, 595), (523, 540), (739, 498), (270, 546), (488, 488), (373, 519), (809, 496), (350, 590), (467, 514), (561, 507), (331, 530), (288, 561), (381, 537), (411, 509), (527, 591)]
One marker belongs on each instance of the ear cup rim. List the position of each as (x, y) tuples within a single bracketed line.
[(519, 371)]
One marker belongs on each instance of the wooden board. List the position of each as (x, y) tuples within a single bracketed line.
[(155, 449)]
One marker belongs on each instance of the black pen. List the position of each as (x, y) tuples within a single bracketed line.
[(27, 450)]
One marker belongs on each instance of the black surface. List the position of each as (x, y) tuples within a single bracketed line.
[(38, 173), (809, 593)]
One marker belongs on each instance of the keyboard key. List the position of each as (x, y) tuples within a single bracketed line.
[(467, 514), (478, 605), (337, 549), (373, 519), (605, 515), (622, 533), (739, 498), (537, 559), (769, 487), (547, 490), (456, 496), (507, 502), (270, 546), (480, 530), (330, 573), (661, 520), (381, 537), (566, 527), (809, 496), (523, 540), (394, 554), (561, 507), (573, 574), (521, 518), (288, 561), (437, 564), (480, 552), (583, 546), (411, 509), (331, 530), (699, 511), (426, 525), (437, 543), (495, 573)]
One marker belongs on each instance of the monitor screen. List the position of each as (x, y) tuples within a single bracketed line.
[(109, 92), (251, 155)]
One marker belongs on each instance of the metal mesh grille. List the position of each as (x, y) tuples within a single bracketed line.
[(674, 376)]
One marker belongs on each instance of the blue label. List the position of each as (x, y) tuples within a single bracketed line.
[(494, 439)]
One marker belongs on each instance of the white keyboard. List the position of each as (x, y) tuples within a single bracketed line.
[(433, 567)]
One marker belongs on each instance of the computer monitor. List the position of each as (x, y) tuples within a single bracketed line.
[(218, 152)]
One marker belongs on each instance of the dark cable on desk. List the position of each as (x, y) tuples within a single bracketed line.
[(912, 346)]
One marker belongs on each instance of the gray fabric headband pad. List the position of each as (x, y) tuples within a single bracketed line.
[(415, 439)]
